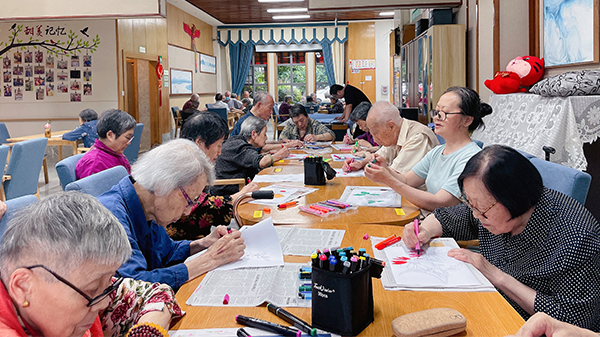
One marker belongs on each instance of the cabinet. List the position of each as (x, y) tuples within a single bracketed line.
[(431, 63)]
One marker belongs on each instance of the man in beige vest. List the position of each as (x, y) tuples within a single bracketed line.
[(403, 142)]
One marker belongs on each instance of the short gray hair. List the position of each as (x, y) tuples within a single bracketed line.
[(63, 231), (360, 112), (87, 115), (261, 96), (252, 123), (115, 120), (174, 164)]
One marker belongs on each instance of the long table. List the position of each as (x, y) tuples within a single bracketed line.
[(487, 313), (54, 140)]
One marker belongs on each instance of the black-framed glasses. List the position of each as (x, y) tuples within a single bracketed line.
[(91, 301), (464, 200), (190, 202), (442, 115)]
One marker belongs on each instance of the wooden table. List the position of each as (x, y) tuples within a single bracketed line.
[(487, 313), (55, 140)]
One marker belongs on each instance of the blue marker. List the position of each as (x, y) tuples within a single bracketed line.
[(332, 263)]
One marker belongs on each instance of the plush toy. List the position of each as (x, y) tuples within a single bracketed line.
[(520, 72)]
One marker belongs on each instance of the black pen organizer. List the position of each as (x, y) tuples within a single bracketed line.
[(315, 170), (342, 304)]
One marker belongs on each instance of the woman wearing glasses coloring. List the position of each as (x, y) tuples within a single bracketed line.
[(458, 113), (539, 247), (165, 183), (57, 264), (115, 131)]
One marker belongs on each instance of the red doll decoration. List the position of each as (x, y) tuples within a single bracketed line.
[(520, 72)]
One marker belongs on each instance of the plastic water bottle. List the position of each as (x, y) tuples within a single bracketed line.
[(48, 130)]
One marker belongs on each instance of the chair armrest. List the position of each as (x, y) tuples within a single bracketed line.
[(82, 150), (241, 182)]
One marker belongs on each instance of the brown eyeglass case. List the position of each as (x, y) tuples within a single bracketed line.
[(439, 322)]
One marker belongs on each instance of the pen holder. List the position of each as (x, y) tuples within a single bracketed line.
[(342, 304), (314, 174)]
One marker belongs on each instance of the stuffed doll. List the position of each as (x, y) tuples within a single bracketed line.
[(520, 72)]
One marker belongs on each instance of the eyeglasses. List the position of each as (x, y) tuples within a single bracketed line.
[(464, 200), (442, 115), (91, 301), (130, 139), (190, 202)]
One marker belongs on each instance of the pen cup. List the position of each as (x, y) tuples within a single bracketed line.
[(342, 304), (314, 174)]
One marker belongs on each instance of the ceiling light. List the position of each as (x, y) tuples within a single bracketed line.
[(280, 0), (287, 10), (386, 14), (290, 17)]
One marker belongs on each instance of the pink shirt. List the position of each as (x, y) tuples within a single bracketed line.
[(99, 158)]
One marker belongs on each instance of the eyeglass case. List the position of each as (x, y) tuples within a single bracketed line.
[(438, 322)]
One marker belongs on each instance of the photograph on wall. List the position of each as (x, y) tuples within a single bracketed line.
[(18, 81), (7, 76), (62, 64), (75, 73), (181, 82), (28, 56), (7, 90), (75, 61), (28, 71), (39, 94), (39, 58), (6, 63), (39, 70), (62, 88), (50, 90), (18, 57), (87, 89), (87, 75), (75, 85), (28, 84), (50, 62), (50, 76), (208, 64), (18, 94), (39, 81), (75, 97), (62, 76), (87, 60), (18, 71)]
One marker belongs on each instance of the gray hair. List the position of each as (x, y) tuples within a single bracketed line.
[(63, 231), (245, 101), (261, 96), (195, 97), (174, 164), (115, 120), (252, 123), (87, 115), (360, 112), (287, 98), (384, 111)]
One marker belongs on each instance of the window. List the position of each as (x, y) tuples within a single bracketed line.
[(322, 84), (291, 75), (257, 74)]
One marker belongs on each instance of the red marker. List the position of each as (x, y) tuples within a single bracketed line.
[(382, 245), (287, 204), (387, 243)]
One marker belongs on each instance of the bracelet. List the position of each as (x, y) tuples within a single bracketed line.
[(270, 156), (147, 330)]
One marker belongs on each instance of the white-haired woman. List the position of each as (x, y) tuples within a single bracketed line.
[(239, 158), (58, 260), (164, 185)]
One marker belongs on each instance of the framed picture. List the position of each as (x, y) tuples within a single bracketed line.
[(571, 32), (208, 64), (181, 82)]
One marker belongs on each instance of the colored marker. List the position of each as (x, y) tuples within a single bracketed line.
[(304, 288), (381, 244), (267, 326), (287, 204), (304, 276), (361, 251), (355, 145), (290, 318), (323, 261), (346, 269), (315, 259), (306, 269), (388, 243), (354, 261), (242, 333), (226, 299), (305, 296), (332, 263), (418, 245), (310, 211)]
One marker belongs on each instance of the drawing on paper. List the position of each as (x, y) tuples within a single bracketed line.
[(371, 196)]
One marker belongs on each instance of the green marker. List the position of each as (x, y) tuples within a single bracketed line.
[(355, 145)]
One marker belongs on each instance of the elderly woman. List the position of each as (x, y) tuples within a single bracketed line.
[(364, 141), (165, 184), (208, 130), (115, 131), (86, 131), (458, 112), (284, 108), (336, 106), (305, 128), (57, 261), (240, 159), (539, 247)]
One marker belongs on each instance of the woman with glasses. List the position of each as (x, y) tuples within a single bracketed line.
[(539, 247), (57, 264), (165, 184), (458, 113), (115, 131)]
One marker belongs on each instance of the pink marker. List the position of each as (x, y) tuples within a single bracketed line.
[(226, 299), (351, 161), (311, 211), (418, 245)]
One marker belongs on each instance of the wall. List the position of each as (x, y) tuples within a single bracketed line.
[(383, 28), (361, 46), (29, 115), (486, 46)]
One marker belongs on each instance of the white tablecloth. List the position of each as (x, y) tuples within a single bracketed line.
[(528, 121)]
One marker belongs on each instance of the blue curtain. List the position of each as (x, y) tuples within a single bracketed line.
[(240, 56), (328, 59)]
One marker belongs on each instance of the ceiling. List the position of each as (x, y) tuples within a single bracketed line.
[(252, 11)]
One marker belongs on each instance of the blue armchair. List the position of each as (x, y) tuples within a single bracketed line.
[(24, 167), (66, 169), (12, 206), (133, 150), (100, 182)]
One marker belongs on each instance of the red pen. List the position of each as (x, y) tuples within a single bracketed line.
[(287, 204), (418, 245)]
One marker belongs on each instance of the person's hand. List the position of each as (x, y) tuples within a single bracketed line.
[(2, 209), (542, 324), (249, 188), (282, 153), (210, 239), (310, 138), (350, 165), (338, 118), (363, 143), (348, 140), (378, 173), (294, 144), (409, 237), (477, 261), (226, 249)]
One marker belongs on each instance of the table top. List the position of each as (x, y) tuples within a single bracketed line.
[(56, 136), (487, 313)]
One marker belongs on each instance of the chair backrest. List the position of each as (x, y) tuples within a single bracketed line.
[(133, 150), (100, 182), (566, 180), (174, 111), (4, 135), (12, 206), (65, 169), (222, 112), (24, 167), (4, 149)]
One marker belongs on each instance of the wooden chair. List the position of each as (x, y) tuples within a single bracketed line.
[(177, 118), (241, 182)]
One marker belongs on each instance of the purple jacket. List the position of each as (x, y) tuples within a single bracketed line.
[(99, 158)]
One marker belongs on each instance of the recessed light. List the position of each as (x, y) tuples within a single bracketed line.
[(280, 0), (286, 10), (386, 14), (290, 17)]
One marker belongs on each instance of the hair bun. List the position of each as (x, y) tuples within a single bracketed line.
[(485, 109)]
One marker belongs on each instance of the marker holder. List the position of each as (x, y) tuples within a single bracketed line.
[(315, 169), (342, 304)]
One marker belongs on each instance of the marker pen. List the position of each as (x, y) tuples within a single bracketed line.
[(321, 208), (306, 269), (361, 251), (315, 259), (354, 261), (323, 261), (305, 276), (367, 258), (332, 263), (381, 244), (290, 318), (351, 161), (304, 288), (389, 242), (326, 252), (242, 333), (267, 326), (311, 211), (346, 269), (305, 296), (362, 262)]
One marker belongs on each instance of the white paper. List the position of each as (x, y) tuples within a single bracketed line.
[(373, 196), (343, 157), (249, 287), (303, 241), (283, 194), (276, 178), (342, 147), (231, 332), (318, 143), (295, 156), (341, 174)]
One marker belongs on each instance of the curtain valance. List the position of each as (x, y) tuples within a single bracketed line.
[(283, 34)]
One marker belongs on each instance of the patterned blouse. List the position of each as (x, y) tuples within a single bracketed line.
[(557, 255), (209, 211), (313, 127)]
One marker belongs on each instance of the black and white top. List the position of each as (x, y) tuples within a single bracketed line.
[(557, 255), (238, 159)]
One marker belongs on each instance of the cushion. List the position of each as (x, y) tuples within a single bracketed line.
[(571, 83)]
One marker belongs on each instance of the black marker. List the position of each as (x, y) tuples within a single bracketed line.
[(267, 326), (290, 318), (242, 333)]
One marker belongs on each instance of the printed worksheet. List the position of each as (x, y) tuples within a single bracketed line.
[(373, 196), (277, 178), (303, 241)]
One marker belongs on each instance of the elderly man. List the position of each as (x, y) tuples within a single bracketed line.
[(233, 102), (188, 104), (352, 96), (219, 102), (404, 142)]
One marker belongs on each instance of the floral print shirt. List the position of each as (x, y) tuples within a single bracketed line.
[(210, 210)]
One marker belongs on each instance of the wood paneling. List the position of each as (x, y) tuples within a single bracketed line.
[(361, 46), (178, 37)]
